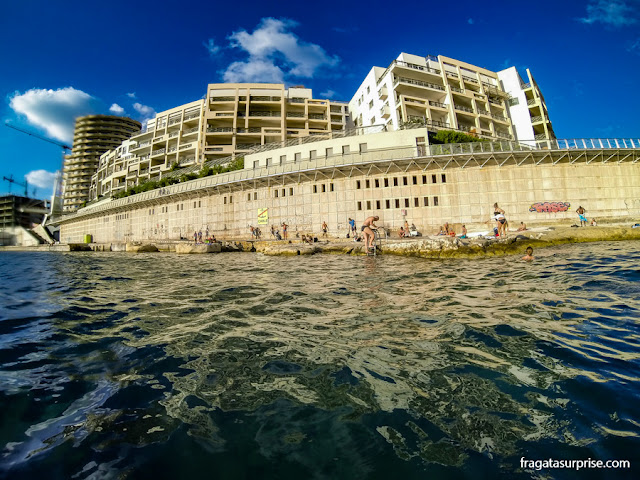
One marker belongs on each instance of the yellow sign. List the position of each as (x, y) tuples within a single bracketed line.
[(263, 216)]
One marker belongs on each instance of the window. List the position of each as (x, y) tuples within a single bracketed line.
[(368, 204), (397, 203), (371, 104), (359, 205), (329, 152), (315, 189), (406, 203), (368, 90), (404, 181), (290, 190), (513, 101), (248, 197), (284, 192), (275, 193), (386, 182), (435, 201), (426, 201), (363, 147), (433, 179), (414, 179), (256, 163), (377, 183), (377, 204), (225, 200), (199, 204), (297, 157), (358, 184), (345, 149), (395, 181), (194, 204), (269, 162), (283, 159), (367, 184), (416, 202), (313, 154), (424, 179), (444, 178), (324, 188), (387, 204), (331, 187), (230, 198), (255, 195)]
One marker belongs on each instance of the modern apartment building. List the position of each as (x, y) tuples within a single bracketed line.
[(242, 116), (173, 137), (444, 93), (93, 135), (234, 119)]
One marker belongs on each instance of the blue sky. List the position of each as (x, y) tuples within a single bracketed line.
[(60, 60)]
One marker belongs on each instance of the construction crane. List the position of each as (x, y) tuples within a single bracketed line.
[(25, 185), (56, 198), (64, 147)]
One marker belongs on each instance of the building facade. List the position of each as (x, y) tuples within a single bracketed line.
[(235, 119), (93, 135), (444, 93)]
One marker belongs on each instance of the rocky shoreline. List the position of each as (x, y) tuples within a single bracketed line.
[(424, 247)]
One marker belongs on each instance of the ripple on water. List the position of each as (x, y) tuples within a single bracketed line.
[(325, 366)]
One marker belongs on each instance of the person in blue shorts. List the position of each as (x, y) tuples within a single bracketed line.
[(583, 219)]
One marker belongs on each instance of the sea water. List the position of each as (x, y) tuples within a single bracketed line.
[(239, 365)]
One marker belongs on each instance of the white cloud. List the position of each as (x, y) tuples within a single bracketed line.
[(211, 47), (612, 13), (54, 111), (116, 109), (328, 94), (131, 95), (634, 47), (41, 178), (144, 110), (275, 53)]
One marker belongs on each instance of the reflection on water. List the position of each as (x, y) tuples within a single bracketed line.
[(240, 365)]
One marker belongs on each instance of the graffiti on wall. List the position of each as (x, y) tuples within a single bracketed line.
[(550, 207)]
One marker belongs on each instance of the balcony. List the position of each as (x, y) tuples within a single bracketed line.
[(418, 83), (265, 99), (456, 89), (249, 130), (540, 136), (264, 114), (464, 109), (385, 111), (246, 146), (400, 63), (470, 79), (186, 146), (190, 131), (532, 101), (336, 110), (158, 139), (160, 151), (219, 129), (173, 121), (496, 102), (482, 111), (383, 93), (537, 119), (317, 116), (437, 104), (191, 116), (452, 74), (295, 114), (222, 99), (296, 100), (501, 118)]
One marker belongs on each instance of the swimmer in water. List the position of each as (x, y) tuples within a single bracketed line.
[(529, 254)]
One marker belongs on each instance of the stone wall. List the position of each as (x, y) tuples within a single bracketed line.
[(535, 194)]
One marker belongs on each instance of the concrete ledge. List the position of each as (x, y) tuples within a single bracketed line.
[(131, 247), (200, 248)]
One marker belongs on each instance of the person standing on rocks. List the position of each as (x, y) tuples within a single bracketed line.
[(367, 229), (352, 227), (583, 219), (284, 230), (324, 229)]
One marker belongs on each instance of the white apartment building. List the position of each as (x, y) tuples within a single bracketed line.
[(444, 93)]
